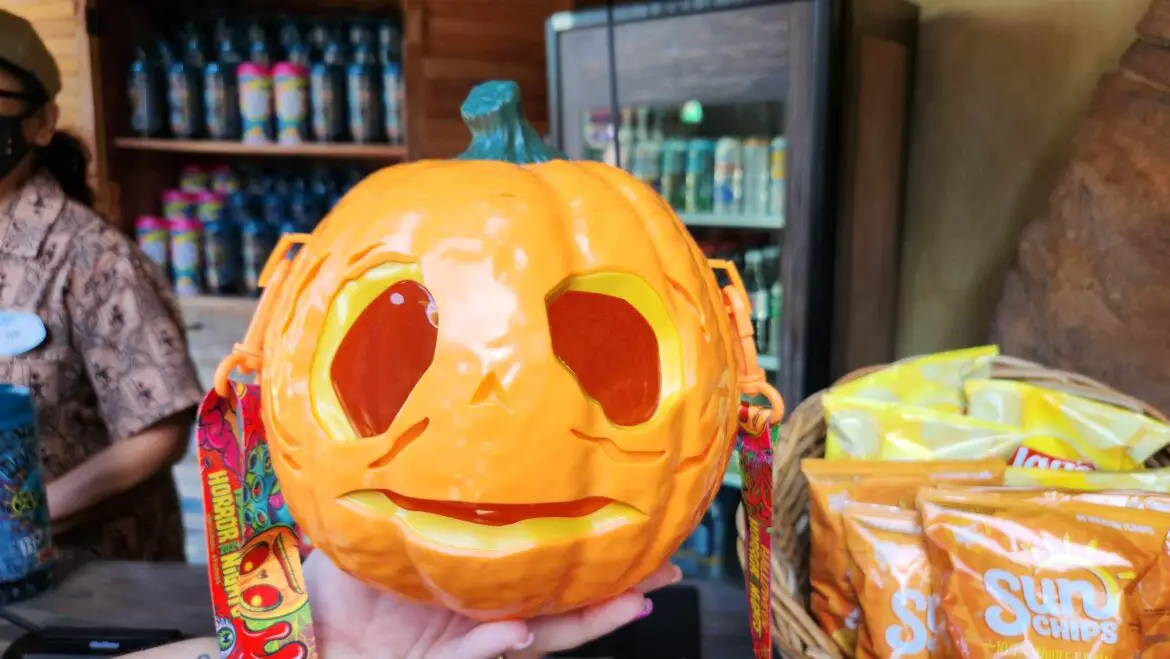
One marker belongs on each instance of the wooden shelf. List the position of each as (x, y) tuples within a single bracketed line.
[(386, 152), (762, 222)]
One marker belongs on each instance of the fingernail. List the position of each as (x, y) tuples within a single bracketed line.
[(527, 642), (647, 609)]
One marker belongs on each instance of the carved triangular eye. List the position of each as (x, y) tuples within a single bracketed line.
[(611, 350), (383, 356)]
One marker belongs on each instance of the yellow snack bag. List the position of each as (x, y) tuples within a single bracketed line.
[(860, 429), (930, 381), (1059, 579), (1069, 432), (1153, 480), (890, 575), (832, 487)]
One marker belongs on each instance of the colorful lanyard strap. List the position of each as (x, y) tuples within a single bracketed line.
[(258, 591)]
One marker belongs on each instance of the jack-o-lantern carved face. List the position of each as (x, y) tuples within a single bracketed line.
[(509, 389)]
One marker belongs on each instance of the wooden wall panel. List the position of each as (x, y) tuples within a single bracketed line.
[(461, 43), (61, 23), (870, 205)]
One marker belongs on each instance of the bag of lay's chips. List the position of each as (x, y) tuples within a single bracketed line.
[(832, 487), (1058, 579), (1069, 432), (931, 381), (861, 429), (1153, 480), (890, 576)]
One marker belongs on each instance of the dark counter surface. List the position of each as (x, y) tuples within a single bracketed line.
[(122, 594), (175, 596)]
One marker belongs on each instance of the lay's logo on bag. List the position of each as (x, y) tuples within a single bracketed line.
[(1063, 609), (1028, 457)]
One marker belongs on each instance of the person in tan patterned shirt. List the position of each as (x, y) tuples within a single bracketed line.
[(113, 383)]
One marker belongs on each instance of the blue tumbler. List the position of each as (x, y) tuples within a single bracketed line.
[(26, 552)]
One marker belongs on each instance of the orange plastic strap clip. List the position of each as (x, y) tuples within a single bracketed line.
[(246, 357), (752, 378)]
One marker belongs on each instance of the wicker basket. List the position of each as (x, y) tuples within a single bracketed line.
[(794, 631)]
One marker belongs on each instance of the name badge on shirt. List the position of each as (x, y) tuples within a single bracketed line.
[(20, 331)]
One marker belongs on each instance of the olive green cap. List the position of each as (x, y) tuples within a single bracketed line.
[(22, 47)]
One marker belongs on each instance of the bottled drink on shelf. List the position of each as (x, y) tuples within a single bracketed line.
[(320, 33), (256, 242), (674, 172), (322, 183), (256, 102), (186, 260), (147, 92), (390, 57), (700, 176), (365, 98), (778, 177), (194, 179), (194, 52), (392, 105), (759, 292), (756, 176), (598, 135), (267, 81), (361, 35), (222, 222), (776, 290), (728, 176), (274, 209), (291, 93), (221, 94), (642, 123), (184, 97), (657, 129), (259, 52), (224, 180), (389, 42), (647, 163), (327, 92), (220, 257), (625, 140), (154, 239), (293, 44)]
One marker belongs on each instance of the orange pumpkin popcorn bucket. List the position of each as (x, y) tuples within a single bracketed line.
[(508, 383)]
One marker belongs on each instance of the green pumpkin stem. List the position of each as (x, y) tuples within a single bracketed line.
[(498, 128)]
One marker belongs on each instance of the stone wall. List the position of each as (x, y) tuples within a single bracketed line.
[(1002, 86)]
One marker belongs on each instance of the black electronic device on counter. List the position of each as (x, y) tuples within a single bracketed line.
[(82, 642)]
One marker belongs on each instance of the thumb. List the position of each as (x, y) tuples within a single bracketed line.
[(487, 641)]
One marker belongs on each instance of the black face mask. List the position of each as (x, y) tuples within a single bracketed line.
[(13, 145)]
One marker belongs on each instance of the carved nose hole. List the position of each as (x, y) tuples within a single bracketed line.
[(490, 390)]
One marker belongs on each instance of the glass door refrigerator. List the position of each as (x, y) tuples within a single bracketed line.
[(776, 129)]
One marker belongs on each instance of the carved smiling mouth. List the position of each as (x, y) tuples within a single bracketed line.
[(495, 526)]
